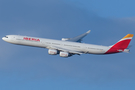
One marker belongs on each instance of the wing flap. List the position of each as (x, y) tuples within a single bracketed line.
[(65, 50)]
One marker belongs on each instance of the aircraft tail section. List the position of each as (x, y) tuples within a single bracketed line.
[(121, 45)]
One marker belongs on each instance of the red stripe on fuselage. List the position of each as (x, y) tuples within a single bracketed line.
[(121, 45)]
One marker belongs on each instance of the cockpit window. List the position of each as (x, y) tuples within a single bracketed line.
[(6, 36)]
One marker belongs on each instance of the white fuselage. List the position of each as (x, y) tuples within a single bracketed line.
[(50, 43)]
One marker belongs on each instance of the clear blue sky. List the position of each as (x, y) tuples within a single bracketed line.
[(29, 68)]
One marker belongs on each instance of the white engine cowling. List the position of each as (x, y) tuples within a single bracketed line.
[(52, 51), (64, 54)]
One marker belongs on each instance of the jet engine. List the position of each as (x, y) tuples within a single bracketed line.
[(52, 51), (65, 54)]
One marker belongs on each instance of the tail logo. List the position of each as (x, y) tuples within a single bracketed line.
[(121, 45)]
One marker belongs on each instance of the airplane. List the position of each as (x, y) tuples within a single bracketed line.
[(70, 46)]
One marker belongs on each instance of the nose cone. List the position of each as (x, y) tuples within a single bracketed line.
[(7, 39), (3, 38)]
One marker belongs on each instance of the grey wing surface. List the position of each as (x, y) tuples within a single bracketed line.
[(66, 50)]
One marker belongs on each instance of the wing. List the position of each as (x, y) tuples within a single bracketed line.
[(77, 38), (66, 50)]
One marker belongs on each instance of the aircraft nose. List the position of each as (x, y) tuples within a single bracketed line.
[(3, 38)]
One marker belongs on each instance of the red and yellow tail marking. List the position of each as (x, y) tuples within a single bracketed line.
[(120, 45), (128, 36)]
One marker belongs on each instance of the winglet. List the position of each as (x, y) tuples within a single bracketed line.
[(88, 31)]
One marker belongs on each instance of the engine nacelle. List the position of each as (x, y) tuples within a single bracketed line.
[(52, 51), (64, 54)]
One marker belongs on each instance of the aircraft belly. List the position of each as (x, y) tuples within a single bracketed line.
[(96, 52)]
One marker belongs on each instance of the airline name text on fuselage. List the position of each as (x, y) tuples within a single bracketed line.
[(31, 39)]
